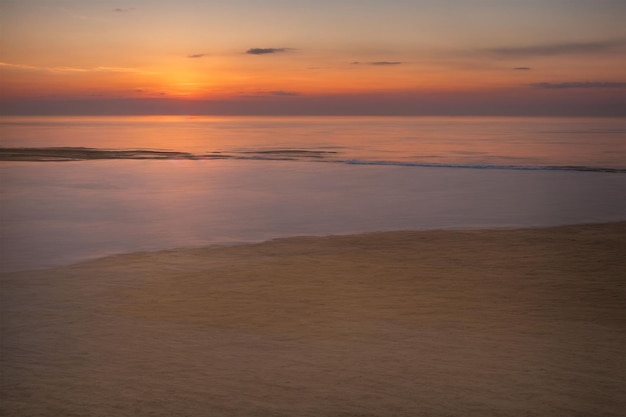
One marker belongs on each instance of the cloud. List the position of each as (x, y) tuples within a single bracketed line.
[(197, 55), (264, 51), (117, 69), (273, 93), (18, 66), (37, 68), (559, 48), (580, 84), (126, 10), (522, 69), (75, 15), (73, 69), (282, 93), (378, 63)]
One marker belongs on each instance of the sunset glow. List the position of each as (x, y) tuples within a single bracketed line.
[(332, 57)]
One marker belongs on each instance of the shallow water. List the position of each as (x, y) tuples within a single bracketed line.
[(63, 212)]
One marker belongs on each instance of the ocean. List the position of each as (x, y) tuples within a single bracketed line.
[(77, 188)]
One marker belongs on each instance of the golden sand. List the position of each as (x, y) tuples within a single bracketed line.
[(526, 322)]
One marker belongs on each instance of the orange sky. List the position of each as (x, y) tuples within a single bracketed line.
[(312, 55)]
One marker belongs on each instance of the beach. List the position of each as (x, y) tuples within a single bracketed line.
[(332, 209), (472, 322)]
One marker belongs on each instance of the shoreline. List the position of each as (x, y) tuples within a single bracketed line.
[(478, 322), (296, 238), (347, 236)]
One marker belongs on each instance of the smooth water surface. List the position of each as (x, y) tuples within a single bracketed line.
[(58, 213), (474, 141)]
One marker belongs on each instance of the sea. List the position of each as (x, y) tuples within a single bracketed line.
[(79, 188)]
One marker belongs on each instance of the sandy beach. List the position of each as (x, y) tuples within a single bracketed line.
[(505, 322)]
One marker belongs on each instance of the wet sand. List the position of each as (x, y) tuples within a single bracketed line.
[(511, 322)]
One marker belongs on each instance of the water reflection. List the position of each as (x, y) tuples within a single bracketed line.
[(56, 213)]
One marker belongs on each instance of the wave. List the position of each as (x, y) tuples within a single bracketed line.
[(490, 166), (81, 154), (62, 154)]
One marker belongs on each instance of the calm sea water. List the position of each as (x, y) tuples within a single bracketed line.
[(464, 141), (245, 179)]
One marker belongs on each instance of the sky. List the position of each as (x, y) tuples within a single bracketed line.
[(336, 57)]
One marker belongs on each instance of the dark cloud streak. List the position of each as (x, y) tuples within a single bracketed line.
[(580, 84), (264, 51), (560, 48), (283, 93), (377, 63), (273, 93)]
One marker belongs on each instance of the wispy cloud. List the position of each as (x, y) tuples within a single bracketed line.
[(378, 63), (123, 10), (282, 93), (522, 69), (263, 51), (560, 48), (197, 55), (581, 84), (273, 93), (17, 66), (119, 69), (61, 69), (75, 15)]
